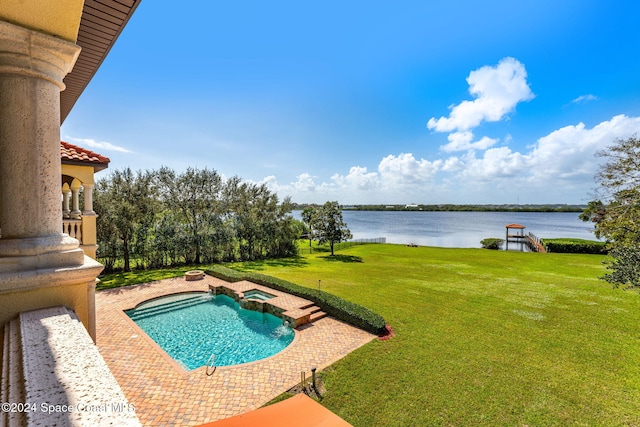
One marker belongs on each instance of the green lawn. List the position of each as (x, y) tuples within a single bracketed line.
[(116, 280), (483, 337)]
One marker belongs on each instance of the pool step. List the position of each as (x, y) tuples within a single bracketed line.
[(314, 312), (142, 313), (308, 305), (317, 315), (301, 316)]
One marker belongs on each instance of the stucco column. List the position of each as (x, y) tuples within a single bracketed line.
[(66, 194), (89, 231), (88, 199), (39, 265), (75, 200), (32, 66)]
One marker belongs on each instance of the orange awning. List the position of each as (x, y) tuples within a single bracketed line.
[(515, 226), (299, 410)]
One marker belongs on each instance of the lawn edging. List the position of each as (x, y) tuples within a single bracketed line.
[(341, 309)]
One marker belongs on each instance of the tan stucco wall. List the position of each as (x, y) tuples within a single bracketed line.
[(59, 18), (89, 235), (74, 296), (83, 173)]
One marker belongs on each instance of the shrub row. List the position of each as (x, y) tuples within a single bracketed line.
[(575, 246), (491, 243), (333, 305)]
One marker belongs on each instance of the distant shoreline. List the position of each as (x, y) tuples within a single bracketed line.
[(456, 208)]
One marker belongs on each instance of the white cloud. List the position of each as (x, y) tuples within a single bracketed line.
[(396, 178), (495, 164), (357, 179), (270, 181), (92, 143), (452, 164), (303, 189), (461, 141), (584, 98), (405, 169), (497, 91), (563, 159), (558, 168), (569, 152), (304, 183)]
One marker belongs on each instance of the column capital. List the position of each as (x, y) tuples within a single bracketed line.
[(26, 52)]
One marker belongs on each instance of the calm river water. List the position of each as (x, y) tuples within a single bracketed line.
[(459, 229)]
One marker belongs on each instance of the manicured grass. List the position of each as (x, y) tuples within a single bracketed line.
[(483, 338), (116, 280)]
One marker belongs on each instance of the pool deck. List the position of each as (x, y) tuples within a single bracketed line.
[(164, 394)]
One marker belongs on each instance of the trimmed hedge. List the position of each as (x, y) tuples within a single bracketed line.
[(491, 243), (575, 246), (333, 305)]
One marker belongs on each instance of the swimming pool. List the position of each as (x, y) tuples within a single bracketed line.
[(191, 326)]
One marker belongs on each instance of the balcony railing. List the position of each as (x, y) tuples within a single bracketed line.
[(73, 227)]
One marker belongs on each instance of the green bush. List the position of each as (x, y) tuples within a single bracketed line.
[(491, 243), (624, 267), (333, 305), (575, 246)]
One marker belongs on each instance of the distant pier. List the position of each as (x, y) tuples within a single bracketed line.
[(515, 234)]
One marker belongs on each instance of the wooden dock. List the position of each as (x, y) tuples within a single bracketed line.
[(531, 240)]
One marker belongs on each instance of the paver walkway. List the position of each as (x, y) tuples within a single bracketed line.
[(165, 395)]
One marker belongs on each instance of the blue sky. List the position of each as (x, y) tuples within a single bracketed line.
[(372, 102)]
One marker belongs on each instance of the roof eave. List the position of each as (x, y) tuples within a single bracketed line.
[(97, 167), (95, 44)]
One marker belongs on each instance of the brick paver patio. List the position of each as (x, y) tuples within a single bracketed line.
[(165, 394)]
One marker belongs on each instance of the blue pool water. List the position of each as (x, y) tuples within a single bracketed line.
[(191, 326)]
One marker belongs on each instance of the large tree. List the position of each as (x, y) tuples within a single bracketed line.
[(127, 205), (196, 197), (329, 225), (308, 216), (263, 226), (616, 213)]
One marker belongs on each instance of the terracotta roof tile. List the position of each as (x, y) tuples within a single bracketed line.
[(78, 154)]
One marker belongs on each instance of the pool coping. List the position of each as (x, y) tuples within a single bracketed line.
[(164, 395)]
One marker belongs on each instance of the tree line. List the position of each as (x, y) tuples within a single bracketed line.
[(455, 208), (159, 218)]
